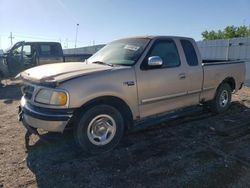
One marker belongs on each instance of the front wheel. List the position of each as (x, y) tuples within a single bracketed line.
[(222, 99), (99, 129)]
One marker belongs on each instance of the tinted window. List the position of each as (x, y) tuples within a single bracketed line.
[(167, 51), (50, 50), (190, 53), (45, 49), (56, 49)]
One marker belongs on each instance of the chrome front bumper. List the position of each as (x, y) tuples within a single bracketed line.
[(46, 119)]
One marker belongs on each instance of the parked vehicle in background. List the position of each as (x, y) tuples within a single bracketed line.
[(126, 83), (24, 55)]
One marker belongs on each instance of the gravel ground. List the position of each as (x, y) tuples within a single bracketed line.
[(201, 150)]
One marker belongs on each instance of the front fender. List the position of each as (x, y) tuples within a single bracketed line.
[(112, 83)]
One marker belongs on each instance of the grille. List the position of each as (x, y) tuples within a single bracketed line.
[(28, 91)]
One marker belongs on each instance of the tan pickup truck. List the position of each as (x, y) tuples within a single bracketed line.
[(128, 81)]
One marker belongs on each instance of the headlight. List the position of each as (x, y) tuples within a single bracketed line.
[(57, 98)]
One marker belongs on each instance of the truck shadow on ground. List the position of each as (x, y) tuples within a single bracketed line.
[(184, 152)]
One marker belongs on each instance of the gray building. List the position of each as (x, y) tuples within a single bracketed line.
[(84, 50)]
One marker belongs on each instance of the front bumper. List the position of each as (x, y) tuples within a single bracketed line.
[(46, 119)]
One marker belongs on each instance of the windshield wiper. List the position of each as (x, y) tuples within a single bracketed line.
[(103, 63)]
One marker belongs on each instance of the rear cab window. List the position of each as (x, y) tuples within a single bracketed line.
[(50, 50), (190, 53)]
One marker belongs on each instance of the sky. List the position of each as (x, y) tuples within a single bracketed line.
[(101, 21)]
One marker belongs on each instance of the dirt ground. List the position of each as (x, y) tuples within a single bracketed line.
[(201, 150)]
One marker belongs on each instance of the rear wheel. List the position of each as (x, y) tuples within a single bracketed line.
[(222, 98), (99, 129)]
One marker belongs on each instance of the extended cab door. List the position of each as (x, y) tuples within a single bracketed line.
[(194, 70), (162, 89)]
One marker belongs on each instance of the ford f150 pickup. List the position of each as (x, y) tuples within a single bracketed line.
[(127, 82)]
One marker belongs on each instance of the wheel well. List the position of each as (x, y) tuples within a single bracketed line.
[(228, 80), (116, 102), (231, 82)]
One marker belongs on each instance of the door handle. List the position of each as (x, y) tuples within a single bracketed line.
[(182, 76)]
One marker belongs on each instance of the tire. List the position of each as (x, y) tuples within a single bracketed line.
[(222, 99), (99, 129)]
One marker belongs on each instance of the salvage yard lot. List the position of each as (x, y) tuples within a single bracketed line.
[(201, 150)]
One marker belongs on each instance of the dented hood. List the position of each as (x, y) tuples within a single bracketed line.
[(59, 72)]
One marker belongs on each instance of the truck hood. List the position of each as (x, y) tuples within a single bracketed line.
[(59, 72)]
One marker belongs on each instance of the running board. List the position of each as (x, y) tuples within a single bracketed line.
[(168, 117)]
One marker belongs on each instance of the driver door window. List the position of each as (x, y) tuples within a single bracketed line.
[(167, 51)]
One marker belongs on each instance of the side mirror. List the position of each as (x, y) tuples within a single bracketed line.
[(154, 61)]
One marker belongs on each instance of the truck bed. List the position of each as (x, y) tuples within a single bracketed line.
[(216, 71)]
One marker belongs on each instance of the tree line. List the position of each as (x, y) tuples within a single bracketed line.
[(228, 33)]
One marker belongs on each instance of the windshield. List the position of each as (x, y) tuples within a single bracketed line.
[(121, 52)]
